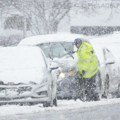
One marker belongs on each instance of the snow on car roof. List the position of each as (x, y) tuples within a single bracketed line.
[(34, 40), (111, 38)]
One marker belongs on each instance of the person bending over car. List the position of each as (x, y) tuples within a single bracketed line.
[(88, 67)]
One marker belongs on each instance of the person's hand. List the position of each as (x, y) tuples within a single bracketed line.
[(92, 51), (78, 76), (83, 72)]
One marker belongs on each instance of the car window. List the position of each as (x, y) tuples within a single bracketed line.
[(56, 49), (46, 48)]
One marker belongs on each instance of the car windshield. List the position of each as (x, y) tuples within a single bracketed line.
[(56, 49)]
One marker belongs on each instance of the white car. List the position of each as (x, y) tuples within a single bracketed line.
[(25, 77), (107, 50), (59, 48)]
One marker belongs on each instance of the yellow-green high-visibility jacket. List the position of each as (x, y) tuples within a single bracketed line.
[(88, 63)]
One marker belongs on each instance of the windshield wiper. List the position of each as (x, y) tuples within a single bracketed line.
[(68, 53), (63, 47)]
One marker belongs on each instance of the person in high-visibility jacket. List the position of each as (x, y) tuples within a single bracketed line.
[(88, 67)]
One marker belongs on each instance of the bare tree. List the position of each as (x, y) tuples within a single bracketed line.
[(45, 15), (3, 5), (87, 7), (114, 7), (93, 7)]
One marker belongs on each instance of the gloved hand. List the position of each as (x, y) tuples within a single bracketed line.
[(92, 51), (83, 72), (78, 76)]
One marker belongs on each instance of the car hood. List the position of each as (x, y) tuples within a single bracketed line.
[(21, 65)]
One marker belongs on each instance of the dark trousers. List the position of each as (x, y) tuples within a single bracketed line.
[(88, 89)]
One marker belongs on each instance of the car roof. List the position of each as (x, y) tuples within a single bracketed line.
[(111, 38), (66, 37), (111, 42)]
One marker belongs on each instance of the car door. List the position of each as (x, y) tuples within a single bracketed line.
[(111, 81)]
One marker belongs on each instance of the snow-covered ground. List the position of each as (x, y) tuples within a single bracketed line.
[(62, 105)]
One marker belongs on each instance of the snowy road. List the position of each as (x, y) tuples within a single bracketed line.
[(109, 112), (67, 110)]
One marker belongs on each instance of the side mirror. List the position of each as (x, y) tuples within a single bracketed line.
[(108, 56), (109, 61), (53, 66), (71, 54), (50, 56)]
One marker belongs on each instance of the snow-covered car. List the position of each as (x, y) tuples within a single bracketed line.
[(107, 80), (107, 50), (25, 77), (59, 48)]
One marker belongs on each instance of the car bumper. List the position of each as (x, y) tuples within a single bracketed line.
[(38, 93), (35, 100)]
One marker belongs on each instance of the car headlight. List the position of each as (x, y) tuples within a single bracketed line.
[(72, 73), (61, 75)]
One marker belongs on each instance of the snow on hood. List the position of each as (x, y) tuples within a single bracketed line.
[(21, 64), (50, 38)]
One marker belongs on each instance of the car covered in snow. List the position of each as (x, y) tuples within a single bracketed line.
[(107, 50), (25, 77), (59, 49)]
